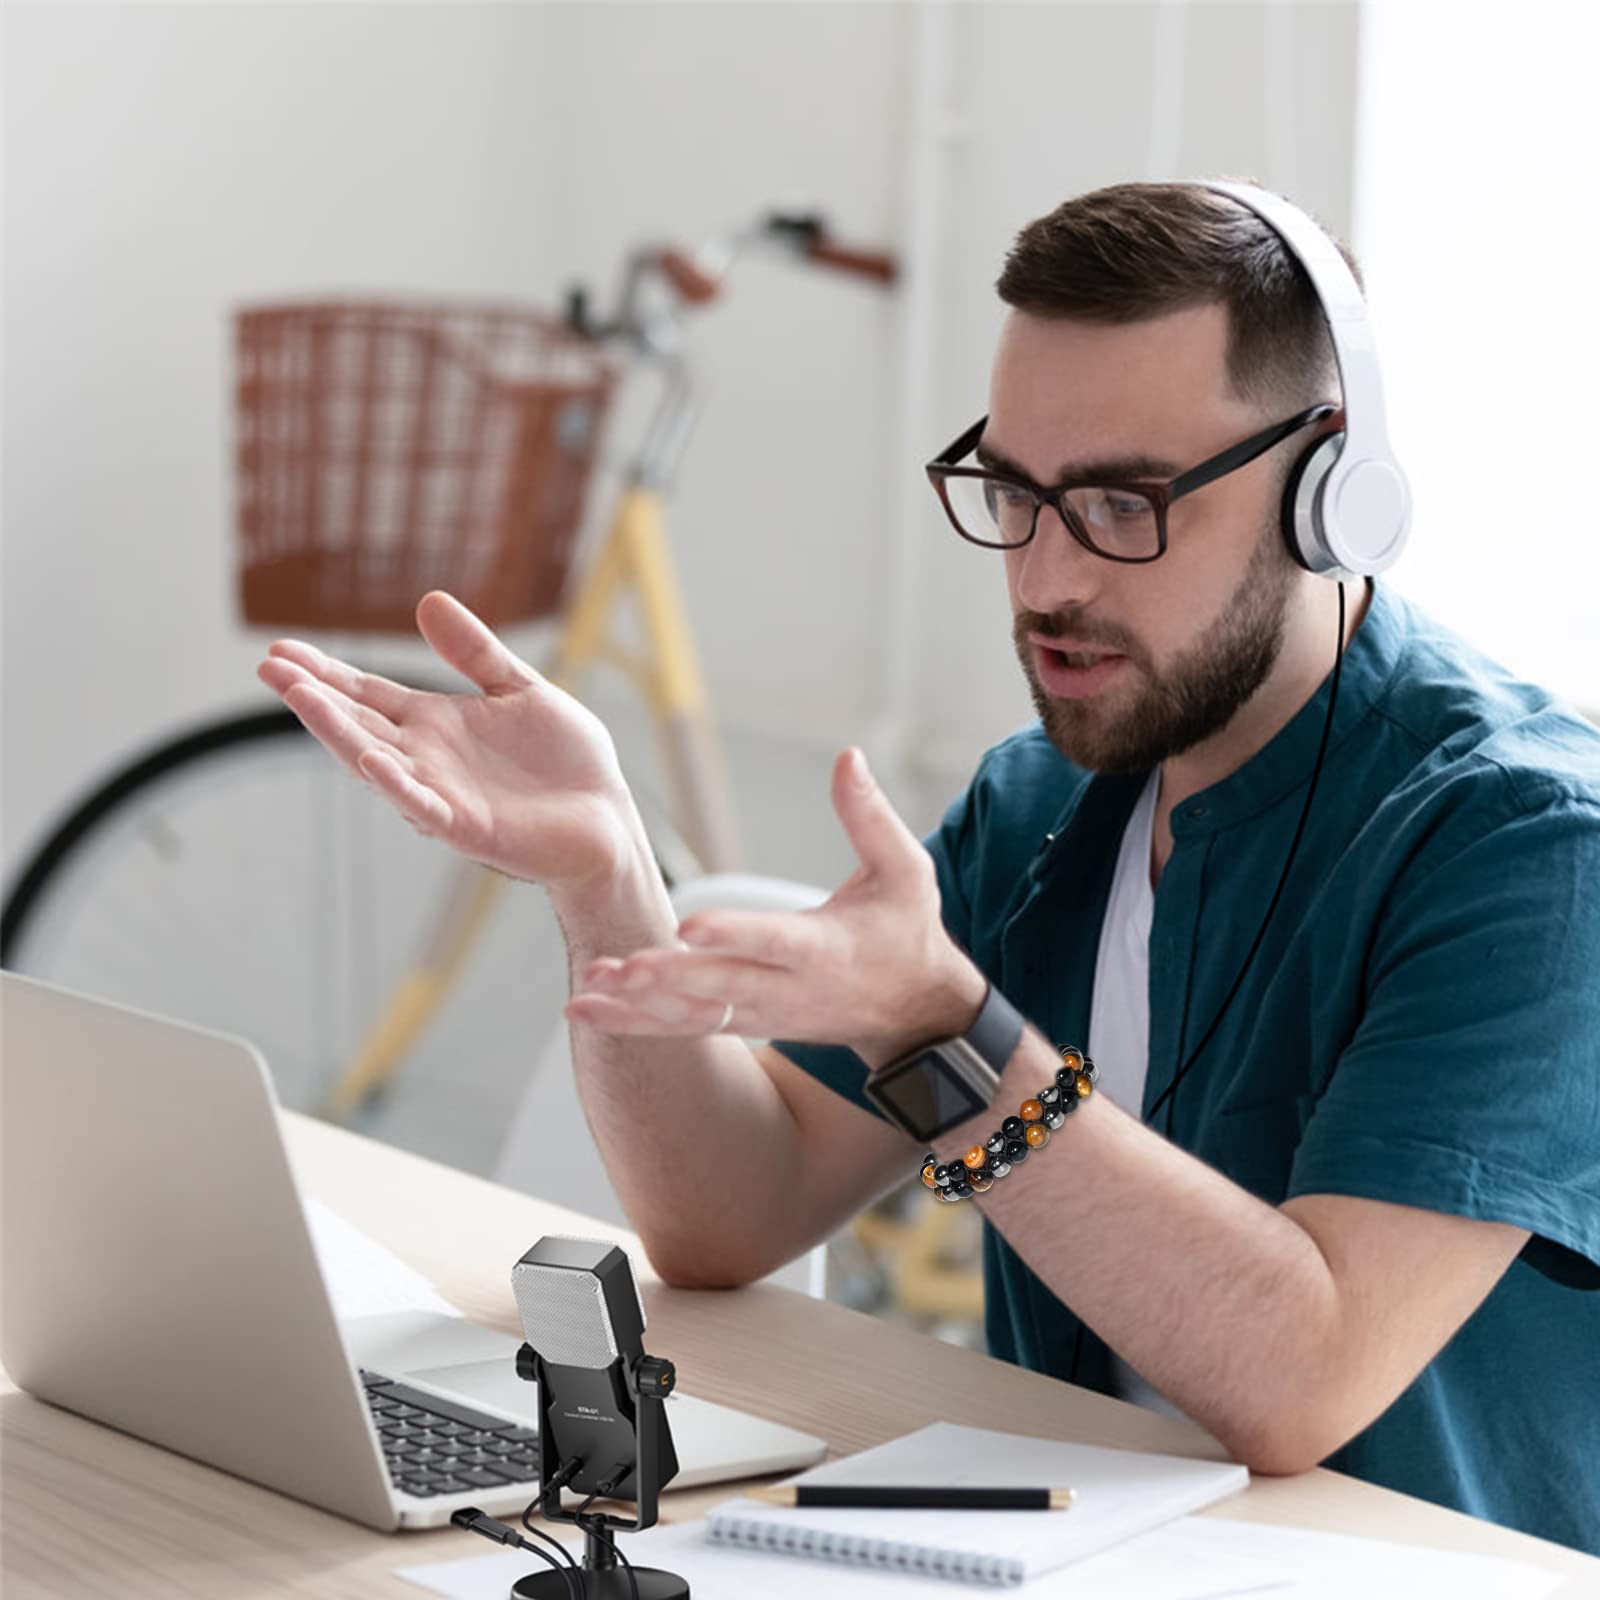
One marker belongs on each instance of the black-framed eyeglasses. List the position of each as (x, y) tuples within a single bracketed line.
[(1122, 521)]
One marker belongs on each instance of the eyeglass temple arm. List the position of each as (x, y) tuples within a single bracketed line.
[(1246, 451), (949, 457)]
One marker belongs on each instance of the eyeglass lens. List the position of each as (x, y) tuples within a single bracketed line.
[(1121, 523)]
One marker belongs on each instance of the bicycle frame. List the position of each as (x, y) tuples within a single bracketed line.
[(635, 554)]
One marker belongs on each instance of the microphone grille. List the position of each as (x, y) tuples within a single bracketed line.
[(564, 1315)]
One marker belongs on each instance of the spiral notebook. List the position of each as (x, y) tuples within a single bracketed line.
[(1119, 1493)]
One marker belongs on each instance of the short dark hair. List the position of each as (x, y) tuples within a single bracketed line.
[(1137, 250)]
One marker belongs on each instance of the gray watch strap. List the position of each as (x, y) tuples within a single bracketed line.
[(996, 1030)]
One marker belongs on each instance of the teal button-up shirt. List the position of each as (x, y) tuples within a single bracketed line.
[(1421, 1024)]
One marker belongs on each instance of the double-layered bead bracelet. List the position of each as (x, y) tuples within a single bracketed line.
[(1010, 1143)]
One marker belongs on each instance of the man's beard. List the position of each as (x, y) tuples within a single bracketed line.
[(1193, 698)]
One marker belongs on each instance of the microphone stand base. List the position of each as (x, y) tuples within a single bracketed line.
[(612, 1584)]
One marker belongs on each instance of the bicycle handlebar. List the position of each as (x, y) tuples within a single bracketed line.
[(804, 235), (691, 283), (879, 265)]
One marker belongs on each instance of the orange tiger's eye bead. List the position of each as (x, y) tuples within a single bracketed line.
[(1085, 1088), (1037, 1134), (976, 1156), (1031, 1110), (1073, 1059), (927, 1176)]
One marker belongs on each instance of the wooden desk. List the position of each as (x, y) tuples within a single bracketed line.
[(90, 1511)]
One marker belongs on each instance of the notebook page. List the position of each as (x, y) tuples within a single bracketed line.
[(1120, 1493)]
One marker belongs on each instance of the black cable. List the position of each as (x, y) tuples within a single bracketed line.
[(1283, 878), (597, 1525), (1166, 1094), (475, 1521), (556, 1544)]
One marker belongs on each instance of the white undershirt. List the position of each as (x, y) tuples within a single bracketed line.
[(1119, 1016)]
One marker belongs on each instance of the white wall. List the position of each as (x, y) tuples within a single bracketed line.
[(1478, 227), (165, 162)]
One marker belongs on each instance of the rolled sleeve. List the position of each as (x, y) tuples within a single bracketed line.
[(1472, 1084)]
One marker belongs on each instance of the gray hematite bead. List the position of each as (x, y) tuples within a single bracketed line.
[(1053, 1117), (995, 1143), (998, 1169), (1049, 1096)]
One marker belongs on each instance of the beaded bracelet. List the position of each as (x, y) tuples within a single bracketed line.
[(1010, 1143)]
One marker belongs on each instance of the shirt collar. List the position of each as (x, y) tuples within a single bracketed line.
[(1284, 763)]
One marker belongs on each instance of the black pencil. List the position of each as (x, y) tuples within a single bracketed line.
[(871, 1497)]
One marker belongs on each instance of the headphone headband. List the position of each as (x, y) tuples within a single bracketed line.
[(1354, 508)]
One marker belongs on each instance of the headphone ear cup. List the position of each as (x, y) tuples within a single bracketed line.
[(1301, 514)]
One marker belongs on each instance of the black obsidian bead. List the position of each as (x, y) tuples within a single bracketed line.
[(962, 1187), (1069, 1102), (1067, 1082), (1012, 1128), (1016, 1150)]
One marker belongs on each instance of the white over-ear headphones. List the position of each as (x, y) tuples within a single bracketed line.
[(1346, 506)]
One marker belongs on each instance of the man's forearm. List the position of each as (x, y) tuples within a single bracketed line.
[(682, 1124), (1222, 1302)]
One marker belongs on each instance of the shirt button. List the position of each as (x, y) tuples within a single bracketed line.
[(1196, 811)]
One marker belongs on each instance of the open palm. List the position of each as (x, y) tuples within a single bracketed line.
[(519, 776)]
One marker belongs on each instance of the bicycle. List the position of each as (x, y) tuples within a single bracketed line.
[(150, 853)]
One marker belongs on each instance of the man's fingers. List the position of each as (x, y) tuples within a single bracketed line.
[(610, 1015), (775, 938), (463, 641), (882, 841), (421, 806), (365, 688), (281, 675), (333, 728), (651, 976)]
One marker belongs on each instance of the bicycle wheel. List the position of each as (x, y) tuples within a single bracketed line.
[(236, 877)]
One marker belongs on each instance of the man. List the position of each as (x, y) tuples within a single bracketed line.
[(1368, 1230)]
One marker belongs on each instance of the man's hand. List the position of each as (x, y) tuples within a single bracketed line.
[(520, 776), (872, 968)]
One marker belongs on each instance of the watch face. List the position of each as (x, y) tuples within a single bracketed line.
[(928, 1093)]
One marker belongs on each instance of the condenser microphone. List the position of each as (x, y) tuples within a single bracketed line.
[(603, 1429), (583, 1317)]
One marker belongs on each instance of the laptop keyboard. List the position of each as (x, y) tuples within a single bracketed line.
[(433, 1446)]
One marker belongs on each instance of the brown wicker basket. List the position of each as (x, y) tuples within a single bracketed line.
[(387, 449)]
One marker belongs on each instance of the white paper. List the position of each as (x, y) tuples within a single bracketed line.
[(1165, 1570), (366, 1278), (1335, 1566), (1194, 1558)]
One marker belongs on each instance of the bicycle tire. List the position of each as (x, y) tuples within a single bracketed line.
[(70, 917), (46, 862), (235, 877)]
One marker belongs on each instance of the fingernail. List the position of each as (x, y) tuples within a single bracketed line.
[(858, 769)]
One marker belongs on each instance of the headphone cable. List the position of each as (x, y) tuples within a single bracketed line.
[(1166, 1094)]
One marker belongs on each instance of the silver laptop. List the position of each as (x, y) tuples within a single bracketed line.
[(160, 1276)]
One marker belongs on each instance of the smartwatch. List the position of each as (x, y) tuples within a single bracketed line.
[(945, 1081)]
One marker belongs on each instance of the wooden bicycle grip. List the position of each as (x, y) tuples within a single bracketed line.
[(876, 264), (684, 276)]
